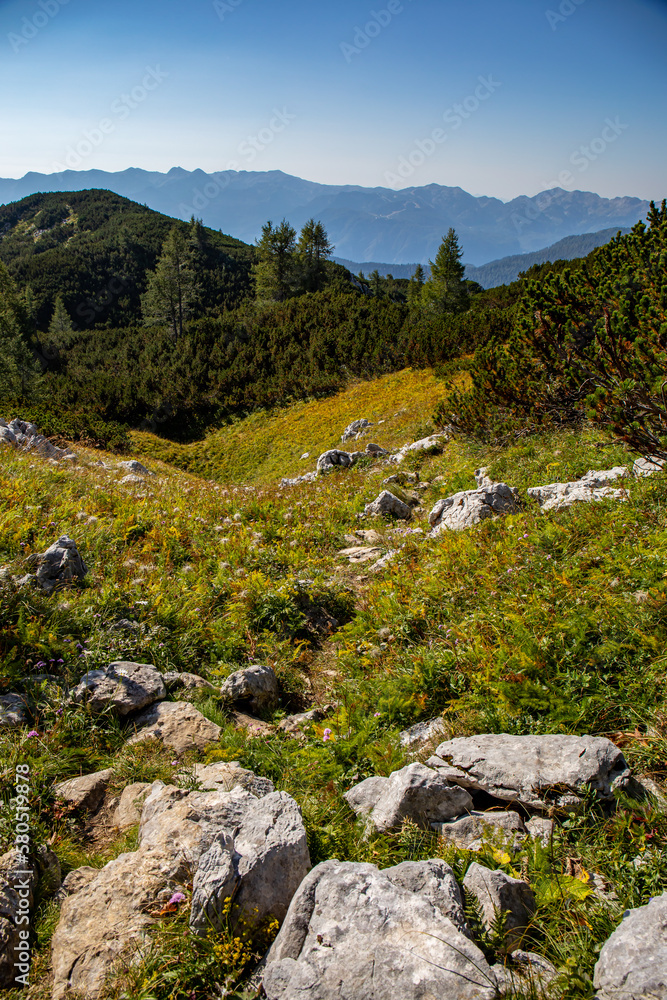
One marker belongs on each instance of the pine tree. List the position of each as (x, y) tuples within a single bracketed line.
[(376, 284), (172, 286), (313, 251), (20, 377), (446, 290), (274, 272)]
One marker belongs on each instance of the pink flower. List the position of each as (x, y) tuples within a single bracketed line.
[(177, 898), (33, 732), (376, 715), (326, 735)]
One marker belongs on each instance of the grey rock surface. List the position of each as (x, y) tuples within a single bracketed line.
[(182, 681), (334, 459), (414, 792), (648, 466), (135, 468), (463, 510), (24, 435), (435, 881), (176, 724), (60, 564), (541, 829), (498, 893), (352, 932), (506, 828), (256, 687), (225, 775), (86, 791), (535, 771), (593, 486), (633, 961), (128, 810), (13, 712), (355, 429), (387, 503), (17, 887), (124, 686), (263, 840), (422, 734)]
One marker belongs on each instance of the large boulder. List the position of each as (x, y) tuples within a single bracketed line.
[(352, 931), (469, 507), (17, 886), (593, 486), (536, 771), (59, 565), (176, 725), (122, 685), (500, 894), (253, 687), (633, 961), (389, 504), (86, 791), (415, 792), (259, 843), (334, 459)]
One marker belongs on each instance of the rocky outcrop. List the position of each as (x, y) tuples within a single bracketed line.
[(423, 733), (59, 565), (356, 932), (128, 810), (462, 510), (648, 466), (176, 725), (591, 487), (123, 686), (86, 791), (24, 435), (261, 843), (355, 430), (334, 459), (633, 961), (431, 445), (183, 681), (499, 894), (469, 832), (388, 504), (253, 687), (135, 468), (536, 771), (415, 792)]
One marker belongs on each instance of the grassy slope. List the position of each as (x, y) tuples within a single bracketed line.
[(530, 623), (268, 445)]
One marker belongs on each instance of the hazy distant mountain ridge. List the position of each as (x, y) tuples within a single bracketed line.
[(505, 270), (364, 223)]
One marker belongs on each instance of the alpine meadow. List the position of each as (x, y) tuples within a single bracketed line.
[(333, 511)]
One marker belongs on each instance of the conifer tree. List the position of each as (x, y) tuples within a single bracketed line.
[(313, 251), (19, 372), (446, 290), (172, 286), (415, 287), (61, 324), (275, 271)]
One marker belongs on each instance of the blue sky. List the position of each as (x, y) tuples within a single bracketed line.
[(343, 92)]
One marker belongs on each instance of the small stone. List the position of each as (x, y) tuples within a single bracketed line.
[(256, 687), (176, 725), (86, 791), (387, 503), (128, 811), (496, 893)]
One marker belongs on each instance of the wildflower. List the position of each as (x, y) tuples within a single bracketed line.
[(40, 663), (177, 898), (548, 557), (509, 570), (326, 735), (32, 733), (174, 763), (59, 711), (376, 715)]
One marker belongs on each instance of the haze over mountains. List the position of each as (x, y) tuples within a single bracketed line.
[(365, 224)]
